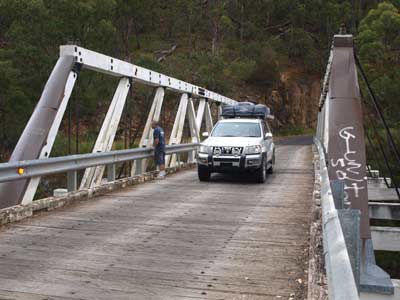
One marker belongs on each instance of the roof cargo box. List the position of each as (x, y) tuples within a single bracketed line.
[(228, 111), (245, 110), (261, 111)]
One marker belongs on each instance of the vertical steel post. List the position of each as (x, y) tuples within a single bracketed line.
[(105, 139), (111, 172), (200, 113), (194, 128), (177, 129), (138, 169), (208, 117), (219, 106), (147, 136), (72, 180)]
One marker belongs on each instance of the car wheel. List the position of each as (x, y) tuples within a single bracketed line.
[(203, 173), (271, 168), (261, 174)]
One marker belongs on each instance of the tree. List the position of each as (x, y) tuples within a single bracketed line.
[(379, 49)]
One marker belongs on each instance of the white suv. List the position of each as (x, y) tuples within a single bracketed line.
[(237, 145)]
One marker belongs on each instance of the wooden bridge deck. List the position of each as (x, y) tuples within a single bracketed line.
[(171, 239)]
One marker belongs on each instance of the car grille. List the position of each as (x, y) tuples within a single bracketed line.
[(227, 150)]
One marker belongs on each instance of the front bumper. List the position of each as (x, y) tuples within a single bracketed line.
[(217, 163)]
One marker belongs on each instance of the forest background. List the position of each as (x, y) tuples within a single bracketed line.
[(269, 51)]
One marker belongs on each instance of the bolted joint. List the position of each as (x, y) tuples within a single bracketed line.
[(77, 68)]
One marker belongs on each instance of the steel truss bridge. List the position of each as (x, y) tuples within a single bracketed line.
[(305, 234)]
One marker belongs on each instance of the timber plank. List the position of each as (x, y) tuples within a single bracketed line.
[(172, 239)]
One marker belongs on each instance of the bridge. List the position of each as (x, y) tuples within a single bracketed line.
[(304, 234)]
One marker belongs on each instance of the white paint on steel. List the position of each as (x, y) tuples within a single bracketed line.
[(177, 129), (325, 119), (112, 66), (219, 112), (208, 117), (200, 113), (147, 136), (105, 139), (46, 150), (194, 128)]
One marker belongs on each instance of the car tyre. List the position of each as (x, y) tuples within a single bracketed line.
[(203, 173), (271, 168), (261, 173)]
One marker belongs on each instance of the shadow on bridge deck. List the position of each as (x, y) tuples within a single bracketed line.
[(171, 239), (296, 140)]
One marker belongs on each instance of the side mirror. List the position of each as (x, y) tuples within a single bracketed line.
[(205, 134), (268, 135)]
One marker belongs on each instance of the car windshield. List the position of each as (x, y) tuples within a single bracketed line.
[(237, 129)]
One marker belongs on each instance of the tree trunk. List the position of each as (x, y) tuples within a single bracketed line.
[(190, 42), (241, 32), (214, 37), (138, 46)]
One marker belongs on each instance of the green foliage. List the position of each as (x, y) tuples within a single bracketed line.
[(379, 37), (210, 72), (379, 48), (265, 73), (222, 45), (241, 69)]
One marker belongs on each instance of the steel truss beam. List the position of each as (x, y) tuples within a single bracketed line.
[(37, 132), (193, 127), (209, 120), (46, 150), (105, 139), (147, 136), (115, 67), (38, 137), (177, 129), (204, 111)]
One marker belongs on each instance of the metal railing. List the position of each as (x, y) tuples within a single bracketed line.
[(71, 164), (341, 281)]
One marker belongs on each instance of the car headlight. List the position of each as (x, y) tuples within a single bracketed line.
[(203, 149), (256, 149)]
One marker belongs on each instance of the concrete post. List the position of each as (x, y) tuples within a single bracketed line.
[(350, 223)]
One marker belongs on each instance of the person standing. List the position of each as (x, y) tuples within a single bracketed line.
[(159, 148)]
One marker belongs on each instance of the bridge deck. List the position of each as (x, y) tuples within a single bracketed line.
[(171, 239)]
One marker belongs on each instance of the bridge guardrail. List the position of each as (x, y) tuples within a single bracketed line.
[(40, 167), (341, 282)]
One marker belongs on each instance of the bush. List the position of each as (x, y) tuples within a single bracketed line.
[(241, 69), (266, 71)]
